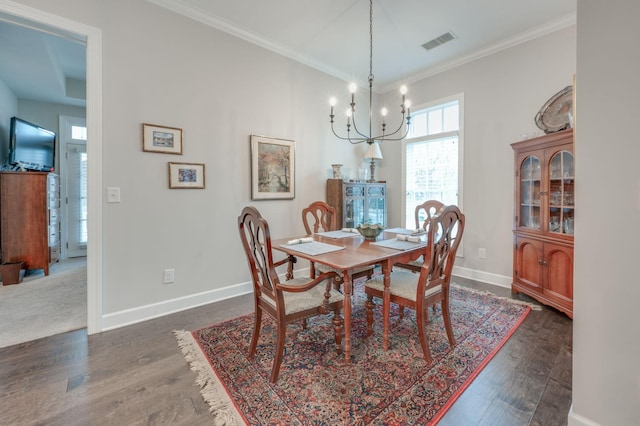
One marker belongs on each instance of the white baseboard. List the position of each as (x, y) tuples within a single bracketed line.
[(577, 420), (143, 313), (485, 277), (167, 307)]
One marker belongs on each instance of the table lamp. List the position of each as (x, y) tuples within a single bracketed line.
[(373, 153)]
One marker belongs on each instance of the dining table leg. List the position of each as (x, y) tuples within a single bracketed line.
[(347, 315), (386, 304)]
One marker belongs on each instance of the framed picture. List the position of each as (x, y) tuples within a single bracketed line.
[(186, 176), (167, 140), (272, 168)]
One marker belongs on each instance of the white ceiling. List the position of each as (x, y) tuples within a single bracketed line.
[(329, 35), (333, 35)]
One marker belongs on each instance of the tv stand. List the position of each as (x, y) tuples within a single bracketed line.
[(29, 218)]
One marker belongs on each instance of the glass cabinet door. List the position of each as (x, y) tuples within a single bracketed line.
[(530, 193), (354, 213), (376, 204), (561, 196)]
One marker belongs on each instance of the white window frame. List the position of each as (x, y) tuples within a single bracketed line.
[(457, 97)]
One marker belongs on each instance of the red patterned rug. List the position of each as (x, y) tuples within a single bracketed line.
[(316, 387)]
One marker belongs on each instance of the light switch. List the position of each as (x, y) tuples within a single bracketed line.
[(113, 195)]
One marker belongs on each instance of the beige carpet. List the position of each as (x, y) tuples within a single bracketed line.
[(42, 306)]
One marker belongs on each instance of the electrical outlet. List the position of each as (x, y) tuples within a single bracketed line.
[(113, 194), (169, 276), (482, 253)]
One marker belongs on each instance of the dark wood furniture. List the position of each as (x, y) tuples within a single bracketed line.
[(431, 286), (423, 214), (358, 252), (357, 202), (321, 217), (29, 218), (544, 218), (293, 300)]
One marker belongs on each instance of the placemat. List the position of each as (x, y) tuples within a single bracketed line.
[(400, 231), (312, 248), (397, 244), (338, 234)]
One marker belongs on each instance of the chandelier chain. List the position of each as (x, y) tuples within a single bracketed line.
[(371, 39), (396, 134)]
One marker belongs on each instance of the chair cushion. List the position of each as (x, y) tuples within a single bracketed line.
[(324, 268), (310, 299), (403, 284)]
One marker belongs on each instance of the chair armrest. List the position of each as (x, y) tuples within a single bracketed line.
[(327, 276), (291, 259)]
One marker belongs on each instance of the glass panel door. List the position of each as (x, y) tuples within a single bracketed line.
[(561, 196), (354, 205), (530, 193)]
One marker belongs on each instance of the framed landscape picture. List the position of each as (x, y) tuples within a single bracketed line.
[(272, 168), (186, 176), (166, 140)]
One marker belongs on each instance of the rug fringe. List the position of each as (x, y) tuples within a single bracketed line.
[(213, 392), (533, 306)]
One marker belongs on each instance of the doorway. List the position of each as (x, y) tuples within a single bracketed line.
[(39, 20)]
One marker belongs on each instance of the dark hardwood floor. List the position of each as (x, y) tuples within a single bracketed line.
[(137, 375)]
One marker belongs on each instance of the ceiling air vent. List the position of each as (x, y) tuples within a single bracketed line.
[(448, 36)]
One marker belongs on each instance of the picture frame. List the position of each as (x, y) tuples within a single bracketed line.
[(162, 139), (186, 176), (272, 168)]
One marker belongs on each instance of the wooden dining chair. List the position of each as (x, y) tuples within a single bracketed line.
[(425, 210), (321, 217), (294, 300), (431, 286)]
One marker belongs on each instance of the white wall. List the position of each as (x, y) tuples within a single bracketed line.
[(502, 94), (8, 109), (168, 70), (606, 348)]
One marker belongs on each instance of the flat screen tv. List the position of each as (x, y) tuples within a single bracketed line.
[(31, 146)]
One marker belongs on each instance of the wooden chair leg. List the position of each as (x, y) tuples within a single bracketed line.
[(277, 358), (369, 305), (256, 331), (338, 323), (421, 319), (447, 321)]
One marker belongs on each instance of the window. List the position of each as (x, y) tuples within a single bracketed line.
[(432, 157)]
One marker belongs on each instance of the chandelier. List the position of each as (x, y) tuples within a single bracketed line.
[(359, 136)]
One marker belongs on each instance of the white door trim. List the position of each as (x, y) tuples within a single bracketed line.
[(93, 39), (65, 122)]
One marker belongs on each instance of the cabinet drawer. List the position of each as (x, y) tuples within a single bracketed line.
[(54, 235), (53, 216), (54, 254)]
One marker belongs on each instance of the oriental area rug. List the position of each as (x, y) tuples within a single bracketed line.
[(317, 387)]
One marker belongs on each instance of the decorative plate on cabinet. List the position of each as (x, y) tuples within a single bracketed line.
[(556, 113)]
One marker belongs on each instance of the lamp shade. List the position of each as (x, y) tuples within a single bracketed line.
[(373, 152)]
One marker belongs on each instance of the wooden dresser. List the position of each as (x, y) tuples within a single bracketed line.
[(29, 218), (544, 219)]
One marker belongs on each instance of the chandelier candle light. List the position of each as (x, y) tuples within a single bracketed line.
[(405, 108)]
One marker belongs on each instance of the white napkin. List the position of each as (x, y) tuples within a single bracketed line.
[(419, 231), (352, 230), (301, 240), (409, 238)]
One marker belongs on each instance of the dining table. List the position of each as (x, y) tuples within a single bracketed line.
[(346, 250)]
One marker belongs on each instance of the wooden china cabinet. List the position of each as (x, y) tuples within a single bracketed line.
[(544, 219), (357, 202)]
